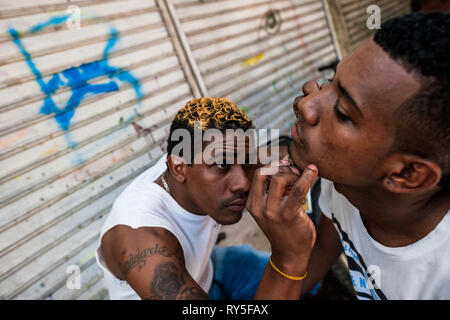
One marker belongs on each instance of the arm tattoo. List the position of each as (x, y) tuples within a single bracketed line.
[(139, 258), (167, 281), (180, 256), (192, 293)]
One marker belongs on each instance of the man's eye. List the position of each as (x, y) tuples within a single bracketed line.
[(340, 115), (222, 165)]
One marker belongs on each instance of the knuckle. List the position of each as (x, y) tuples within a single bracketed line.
[(253, 206), (258, 176), (283, 170), (280, 182), (298, 190), (283, 174), (277, 179), (257, 172), (270, 214)]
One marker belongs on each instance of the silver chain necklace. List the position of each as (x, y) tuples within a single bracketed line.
[(166, 186)]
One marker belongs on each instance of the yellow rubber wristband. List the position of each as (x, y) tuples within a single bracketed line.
[(286, 275)]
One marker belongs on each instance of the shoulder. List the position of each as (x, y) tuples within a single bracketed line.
[(143, 190), (126, 234), (136, 208), (139, 193), (139, 206)]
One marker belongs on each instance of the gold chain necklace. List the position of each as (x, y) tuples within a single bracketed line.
[(166, 186)]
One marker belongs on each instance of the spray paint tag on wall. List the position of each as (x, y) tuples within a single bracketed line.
[(251, 61)]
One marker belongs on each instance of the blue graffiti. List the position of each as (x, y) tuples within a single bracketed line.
[(51, 21), (77, 78)]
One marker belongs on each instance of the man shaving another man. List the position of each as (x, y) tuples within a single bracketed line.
[(379, 137), (158, 241)]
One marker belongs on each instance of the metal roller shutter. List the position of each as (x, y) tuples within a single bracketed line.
[(258, 53), (82, 112), (356, 16)]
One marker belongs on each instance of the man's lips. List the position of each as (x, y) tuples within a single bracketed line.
[(296, 135), (297, 144), (237, 205)]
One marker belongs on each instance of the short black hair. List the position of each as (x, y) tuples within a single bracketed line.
[(420, 42), (429, 5)]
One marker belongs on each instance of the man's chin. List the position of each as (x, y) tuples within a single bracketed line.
[(227, 218), (298, 165)]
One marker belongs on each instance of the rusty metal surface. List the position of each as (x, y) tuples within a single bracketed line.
[(73, 109), (85, 110)]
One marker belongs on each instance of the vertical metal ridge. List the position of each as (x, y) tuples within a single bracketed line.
[(182, 48), (332, 29), (84, 166), (338, 27), (66, 198)]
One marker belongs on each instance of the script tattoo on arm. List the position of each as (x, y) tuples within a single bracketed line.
[(168, 281), (139, 258)]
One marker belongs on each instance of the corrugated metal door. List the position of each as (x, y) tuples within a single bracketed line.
[(355, 13), (83, 110), (257, 52), (85, 107)]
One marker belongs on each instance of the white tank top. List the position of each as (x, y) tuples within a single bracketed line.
[(145, 204)]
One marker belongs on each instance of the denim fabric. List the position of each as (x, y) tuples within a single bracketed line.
[(237, 272)]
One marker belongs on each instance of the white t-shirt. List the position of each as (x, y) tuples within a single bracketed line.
[(145, 204), (417, 271)]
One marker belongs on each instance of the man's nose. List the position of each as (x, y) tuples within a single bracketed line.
[(240, 183), (306, 107)]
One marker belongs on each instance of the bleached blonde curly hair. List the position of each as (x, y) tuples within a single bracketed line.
[(209, 113)]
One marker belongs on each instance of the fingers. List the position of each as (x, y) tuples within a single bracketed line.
[(295, 170), (257, 198), (258, 187), (279, 195), (293, 204), (279, 187)]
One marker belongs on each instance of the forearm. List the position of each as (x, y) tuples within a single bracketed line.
[(282, 280), (288, 228), (274, 286)]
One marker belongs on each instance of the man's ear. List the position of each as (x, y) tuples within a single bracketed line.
[(406, 173), (177, 168)]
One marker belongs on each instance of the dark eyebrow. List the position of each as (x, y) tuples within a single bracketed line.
[(224, 156), (349, 97)]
